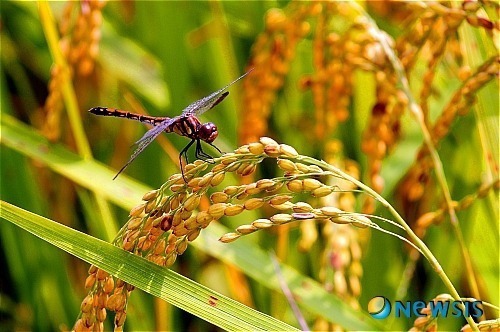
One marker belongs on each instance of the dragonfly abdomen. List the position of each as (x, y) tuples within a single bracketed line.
[(153, 120)]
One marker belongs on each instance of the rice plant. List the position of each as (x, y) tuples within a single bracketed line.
[(360, 159)]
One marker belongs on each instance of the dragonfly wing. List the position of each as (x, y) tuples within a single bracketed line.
[(156, 130), (202, 105), (145, 140)]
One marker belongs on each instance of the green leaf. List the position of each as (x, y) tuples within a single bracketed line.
[(151, 278), (89, 174)]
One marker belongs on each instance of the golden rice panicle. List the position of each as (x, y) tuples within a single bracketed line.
[(118, 302), (101, 296), (318, 81), (271, 55), (436, 217), (382, 132), (429, 18), (53, 105), (335, 57), (299, 178), (161, 227), (414, 37), (337, 77), (485, 325), (430, 33), (439, 34), (464, 98), (300, 211), (143, 231), (442, 36), (429, 322), (79, 43), (413, 186), (51, 127), (81, 47)]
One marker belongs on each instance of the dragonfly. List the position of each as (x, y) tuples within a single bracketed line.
[(186, 124)]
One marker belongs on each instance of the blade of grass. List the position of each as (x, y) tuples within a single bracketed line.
[(151, 278), (87, 173)]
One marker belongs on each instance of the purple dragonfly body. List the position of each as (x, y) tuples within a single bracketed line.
[(186, 124)]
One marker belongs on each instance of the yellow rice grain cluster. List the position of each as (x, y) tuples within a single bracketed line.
[(335, 57), (169, 218), (299, 178), (383, 130), (484, 326), (464, 98), (413, 186), (358, 49), (428, 322), (436, 217), (105, 293), (161, 227), (439, 25), (439, 35), (80, 46), (299, 211), (80, 43), (272, 53), (430, 33), (331, 81)]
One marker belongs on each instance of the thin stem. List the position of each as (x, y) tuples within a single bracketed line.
[(288, 294)]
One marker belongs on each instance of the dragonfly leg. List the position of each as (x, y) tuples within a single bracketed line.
[(200, 154), (184, 153), (216, 148)]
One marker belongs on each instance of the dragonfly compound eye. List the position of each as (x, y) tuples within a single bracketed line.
[(208, 132)]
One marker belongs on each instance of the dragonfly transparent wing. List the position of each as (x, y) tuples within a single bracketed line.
[(202, 105), (146, 139)]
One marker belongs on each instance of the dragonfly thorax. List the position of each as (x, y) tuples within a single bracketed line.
[(191, 127), (208, 132)]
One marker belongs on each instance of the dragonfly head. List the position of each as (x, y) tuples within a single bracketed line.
[(208, 132)]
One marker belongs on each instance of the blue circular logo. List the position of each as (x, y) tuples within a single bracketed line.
[(379, 307)]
